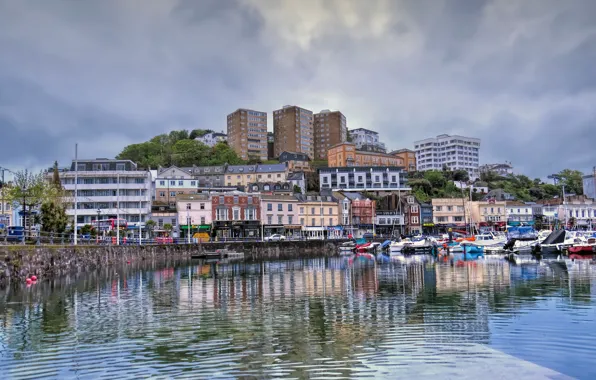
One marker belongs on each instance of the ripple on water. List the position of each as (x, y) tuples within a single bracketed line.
[(322, 318)]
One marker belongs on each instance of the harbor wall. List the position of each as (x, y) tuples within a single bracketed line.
[(17, 262)]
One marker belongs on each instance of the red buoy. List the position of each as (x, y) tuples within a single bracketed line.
[(28, 281), (33, 278)]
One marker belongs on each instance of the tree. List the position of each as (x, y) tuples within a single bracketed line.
[(150, 226), (189, 152), (461, 176), (199, 133), (423, 185), (168, 227), (53, 210), (572, 180), (436, 178), (29, 190), (221, 154), (297, 189)]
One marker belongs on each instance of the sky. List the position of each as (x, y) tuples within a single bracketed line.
[(107, 73)]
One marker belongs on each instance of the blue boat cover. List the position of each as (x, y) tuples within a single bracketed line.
[(385, 243)]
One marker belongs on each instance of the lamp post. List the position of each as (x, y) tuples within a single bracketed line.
[(97, 234)]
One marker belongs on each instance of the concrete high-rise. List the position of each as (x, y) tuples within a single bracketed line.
[(455, 152), (293, 131), (329, 129), (247, 133)]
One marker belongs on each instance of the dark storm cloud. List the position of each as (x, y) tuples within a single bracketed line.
[(108, 73)]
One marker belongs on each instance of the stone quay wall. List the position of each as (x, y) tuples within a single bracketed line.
[(17, 262)]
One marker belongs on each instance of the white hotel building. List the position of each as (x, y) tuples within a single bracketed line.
[(456, 152), (107, 189)]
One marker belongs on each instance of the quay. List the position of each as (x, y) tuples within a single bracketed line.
[(17, 262)]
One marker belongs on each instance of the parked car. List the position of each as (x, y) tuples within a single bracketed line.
[(275, 237)]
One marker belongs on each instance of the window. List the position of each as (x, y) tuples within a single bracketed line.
[(312, 211), (188, 206), (321, 211), (202, 220), (301, 210), (193, 183), (414, 209), (290, 208), (485, 210), (449, 208), (172, 194), (236, 212), (162, 193), (439, 208), (172, 183), (312, 222), (160, 223), (280, 219), (302, 221), (180, 183), (222, 214), (492, 210), (269, 207), (162, 183), (235, 199), (330, 221), (173, 222), (280, 207), (441, 219), (414, 219), (221, 199), (202, 206), (269, 219), (458, 218)]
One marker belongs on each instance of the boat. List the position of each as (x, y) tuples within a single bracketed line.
[(362, 248), (486, 240), (416, 247), (385, 246), (553, 246), (223, 253), (396, 247), (347, 248), (373, 247)]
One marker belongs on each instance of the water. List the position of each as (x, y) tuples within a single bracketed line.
[(321, 318)]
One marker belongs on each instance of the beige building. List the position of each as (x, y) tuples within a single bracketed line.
[(450, 212), (247, 133), (318, 215), (329, 129), (293, 131), (489, 213), (408, 157)]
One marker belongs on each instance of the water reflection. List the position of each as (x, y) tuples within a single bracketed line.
[(333, 317)]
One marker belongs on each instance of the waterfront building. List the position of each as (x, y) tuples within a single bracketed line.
[(208, 176), (518, 213), (163, 214), (455, 152), (212, 138), (344, 208), (293, 131), (392, 208), (171, 182), (408, 157), (589, 185), (426, 218), (108, 189), (503, 169), (240, 175), (411, 210), (389, 223), (319, 216), (347, 155), (194, 213), (5, 209), (578, 212), (329, 129), (550, 211), (367, 140), (449, 213), (272, 172), (295, 161), (236, 215), (489, 214), (279, 215), (377, 179), (363, 214), (247, 133)]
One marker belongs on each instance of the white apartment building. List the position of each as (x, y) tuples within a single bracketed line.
[(366, 139), (108, 189), (212, 138), (456, 152)]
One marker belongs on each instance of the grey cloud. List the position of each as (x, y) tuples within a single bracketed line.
[(107, 73)]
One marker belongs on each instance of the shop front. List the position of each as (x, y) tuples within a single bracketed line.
[(236, 230), (272, 229), (292, 231), (335, 232), (314, 233), (428, 228)]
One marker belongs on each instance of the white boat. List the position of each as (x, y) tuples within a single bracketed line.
[(347, 248), (489, 239), (396, 247)]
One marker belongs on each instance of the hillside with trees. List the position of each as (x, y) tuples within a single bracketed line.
[(441, 184), (179, 148)]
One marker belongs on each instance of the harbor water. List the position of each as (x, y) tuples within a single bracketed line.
[(345, 317)]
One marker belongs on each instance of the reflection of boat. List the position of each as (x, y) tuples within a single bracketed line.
[(347, 248), (223, 253)]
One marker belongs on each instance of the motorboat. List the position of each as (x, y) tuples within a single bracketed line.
[(556, 242), (396, 247), (422, 246), (487, 240)]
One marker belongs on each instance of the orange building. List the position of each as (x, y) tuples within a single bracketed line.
[(409, 158), (346, 154)]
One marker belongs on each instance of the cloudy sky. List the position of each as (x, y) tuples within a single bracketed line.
[(520, 75)]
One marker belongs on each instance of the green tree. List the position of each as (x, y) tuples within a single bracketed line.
[(436, 178), (53, 209), (221, 154), (189, 152), (423, 185), (297, 189), (150, 226), (573, 181), (29, 190), (461, 176), (199, 133), (168, 227)]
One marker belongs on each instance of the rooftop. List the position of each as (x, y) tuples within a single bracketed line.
[(270, 168)]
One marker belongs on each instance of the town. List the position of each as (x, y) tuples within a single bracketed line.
[(311, 178)]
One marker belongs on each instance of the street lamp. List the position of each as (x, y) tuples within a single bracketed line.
[(97, 234)]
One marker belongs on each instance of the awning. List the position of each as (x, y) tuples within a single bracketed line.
[(428, 225)]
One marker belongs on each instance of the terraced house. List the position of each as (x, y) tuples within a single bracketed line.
[(279, 215)]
